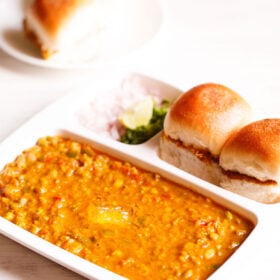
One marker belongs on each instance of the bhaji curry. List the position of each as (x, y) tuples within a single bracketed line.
[(114, 214)]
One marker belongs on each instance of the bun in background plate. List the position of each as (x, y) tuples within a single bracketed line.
[(117, 31), (56, 26)]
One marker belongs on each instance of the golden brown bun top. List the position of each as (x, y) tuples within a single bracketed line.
[(206, 115), (52, 13), (254, 150)]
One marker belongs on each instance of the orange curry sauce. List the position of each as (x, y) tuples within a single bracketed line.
[(116, 215)]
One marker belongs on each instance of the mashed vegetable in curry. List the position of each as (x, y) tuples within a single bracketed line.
[(112, 213)]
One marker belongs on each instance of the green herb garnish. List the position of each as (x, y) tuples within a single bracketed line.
[(144, 132)]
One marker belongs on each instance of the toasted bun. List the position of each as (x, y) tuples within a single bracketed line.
[(53, 13), (189, 160), (254, 151), (56, 25), (265, 192), (206, 116)]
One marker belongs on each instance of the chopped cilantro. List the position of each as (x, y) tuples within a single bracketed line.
[(145, 132)]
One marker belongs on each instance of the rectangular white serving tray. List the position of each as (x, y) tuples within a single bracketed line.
[(60, 118)]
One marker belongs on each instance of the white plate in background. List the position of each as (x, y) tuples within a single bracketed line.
[(134, 25)]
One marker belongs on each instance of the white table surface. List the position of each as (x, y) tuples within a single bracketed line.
[(236, 43)]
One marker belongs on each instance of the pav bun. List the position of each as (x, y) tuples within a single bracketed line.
[(56, 25), (197, 126), (250, 161), (205, 116)]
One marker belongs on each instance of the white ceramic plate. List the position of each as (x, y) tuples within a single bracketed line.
[(135, 24), (62, 117)]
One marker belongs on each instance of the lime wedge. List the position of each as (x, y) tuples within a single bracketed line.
[(139, 114)]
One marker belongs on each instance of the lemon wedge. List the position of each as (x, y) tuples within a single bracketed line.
[(139, 114)]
